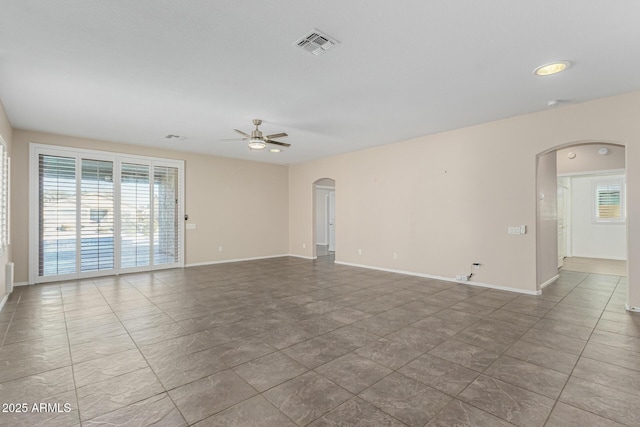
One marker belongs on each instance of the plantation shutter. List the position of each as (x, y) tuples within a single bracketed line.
[(608, 201), (57, 215), (166, 221), (102, 213), (135, 216)]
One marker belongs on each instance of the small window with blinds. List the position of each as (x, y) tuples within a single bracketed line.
[(609, 201)]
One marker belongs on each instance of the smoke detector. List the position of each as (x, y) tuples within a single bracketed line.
[(316, 42)]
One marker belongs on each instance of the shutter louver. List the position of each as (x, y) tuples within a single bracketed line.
[(57, 219), (97, 216), (608, 201), (165, 239), (135, 216)]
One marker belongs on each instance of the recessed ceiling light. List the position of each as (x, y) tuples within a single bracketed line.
[(274, 150), (551, 68)]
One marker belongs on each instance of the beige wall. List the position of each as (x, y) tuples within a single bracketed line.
[(588, 160), (444, 201), (236, 204), (7, 134)]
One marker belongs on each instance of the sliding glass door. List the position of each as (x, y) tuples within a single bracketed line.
[(99, 213)]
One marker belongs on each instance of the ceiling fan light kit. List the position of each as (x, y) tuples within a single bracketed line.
[(258, 142)]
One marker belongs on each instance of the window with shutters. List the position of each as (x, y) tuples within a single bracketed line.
[(608, 198), (96, 213)]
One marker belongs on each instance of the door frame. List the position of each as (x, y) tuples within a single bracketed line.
[(35, 149), (314, 206)]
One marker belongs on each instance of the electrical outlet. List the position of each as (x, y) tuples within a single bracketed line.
[(476, 265), (518, 229), (304, 246), (462, 277), (219, 248), (395, 255), (191, 226), (359, 251)]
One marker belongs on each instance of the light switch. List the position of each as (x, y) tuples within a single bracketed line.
[(191, 226)]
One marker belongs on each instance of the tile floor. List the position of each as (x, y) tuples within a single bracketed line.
[(287, 342)]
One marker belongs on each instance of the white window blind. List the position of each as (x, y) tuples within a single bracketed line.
[(102, 213), (57, 215), (609, 197), (4, 198), (97, 215), (165, 250), (135, 215)]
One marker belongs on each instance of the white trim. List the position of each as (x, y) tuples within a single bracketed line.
[(446, 279), (302, 256), (595, 173), (225, 261), (6, 297), (20, 284), (550, 281), (325, 187), (630, 308)]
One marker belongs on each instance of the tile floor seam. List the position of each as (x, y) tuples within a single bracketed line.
[(73, 375), (555, 403), (13, 314), (503, 353), (572, 297), (150, 368)]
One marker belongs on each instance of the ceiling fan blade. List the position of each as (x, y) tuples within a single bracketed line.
[(243, 133), (284, 144), (233, 139), (276, 135)]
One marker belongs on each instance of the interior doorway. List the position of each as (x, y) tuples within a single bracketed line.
[(325, 217), (591, 208), (585, 218)]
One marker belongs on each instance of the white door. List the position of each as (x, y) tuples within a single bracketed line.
[(562, 224), (332, 220)]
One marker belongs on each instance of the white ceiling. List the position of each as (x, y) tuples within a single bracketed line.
[(134, 71)]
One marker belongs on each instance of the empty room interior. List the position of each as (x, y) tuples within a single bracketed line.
[(292, 213)]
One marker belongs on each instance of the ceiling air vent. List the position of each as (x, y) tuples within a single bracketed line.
[(316, 42), (172, 136)]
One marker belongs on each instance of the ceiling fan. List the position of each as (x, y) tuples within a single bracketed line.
[(259, 142)]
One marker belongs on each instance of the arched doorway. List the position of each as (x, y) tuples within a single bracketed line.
[(581, 217), (324, 222)]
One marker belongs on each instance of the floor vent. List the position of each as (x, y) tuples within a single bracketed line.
[(316, 42)]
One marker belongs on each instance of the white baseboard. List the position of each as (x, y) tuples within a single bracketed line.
[(4, 300), (302, 256), (550, 281), (20, 284), (446, 279), (225, 261)]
